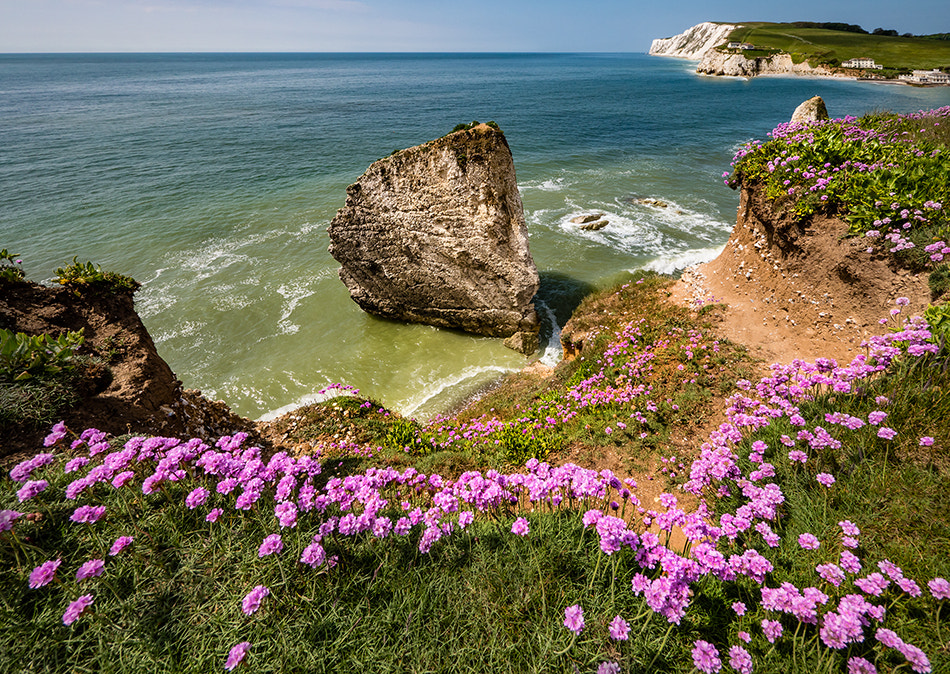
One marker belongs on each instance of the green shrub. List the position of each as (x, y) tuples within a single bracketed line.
[(25, 356), (9, 271), (402, 433), (520, 442), (80, 276)]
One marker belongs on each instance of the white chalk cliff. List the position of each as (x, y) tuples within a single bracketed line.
[(695, 42)]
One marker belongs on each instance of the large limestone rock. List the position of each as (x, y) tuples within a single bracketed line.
[(812, 110), (436, 234)]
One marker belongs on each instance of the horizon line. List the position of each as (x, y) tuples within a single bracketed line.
[(263, 52)]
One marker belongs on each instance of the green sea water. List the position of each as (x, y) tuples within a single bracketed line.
[(212, 178)]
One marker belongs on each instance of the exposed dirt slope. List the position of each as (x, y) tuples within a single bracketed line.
[(799, 290)]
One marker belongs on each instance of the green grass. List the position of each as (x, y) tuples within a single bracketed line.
[(820, 45)]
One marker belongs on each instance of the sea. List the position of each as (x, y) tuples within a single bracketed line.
[(211, 179)]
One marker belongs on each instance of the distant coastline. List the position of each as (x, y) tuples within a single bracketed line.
[(722, 50)]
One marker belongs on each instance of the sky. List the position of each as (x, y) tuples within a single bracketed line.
[(413, 25)]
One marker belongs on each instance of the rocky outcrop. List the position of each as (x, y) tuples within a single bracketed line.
[(131, 389), (715, 62), (800, 288), (812, 110), (693, 43), (436, 234)]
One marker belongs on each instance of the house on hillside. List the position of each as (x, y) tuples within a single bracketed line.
[(862, 62), (927, 77)]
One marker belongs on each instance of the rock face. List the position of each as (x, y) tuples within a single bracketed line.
[(715, 62), (693, 43), (812, 110), (436, 234)]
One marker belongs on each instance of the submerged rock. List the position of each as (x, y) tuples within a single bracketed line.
[(584, 219), (436, 234), (595, 226)]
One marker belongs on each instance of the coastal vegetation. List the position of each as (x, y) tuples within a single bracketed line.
[(833, 47), (887, 175), (788, 519)]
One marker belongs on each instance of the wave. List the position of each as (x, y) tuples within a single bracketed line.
[(673, 264), (471, 377)]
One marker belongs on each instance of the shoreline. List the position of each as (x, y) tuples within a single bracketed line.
[(814, 75)]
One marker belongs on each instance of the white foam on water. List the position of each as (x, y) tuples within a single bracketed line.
[(549, 185), (293, 294), (302, 401), (641, 228), (183, 329), (671, 264), (412, 405), (552, 352)]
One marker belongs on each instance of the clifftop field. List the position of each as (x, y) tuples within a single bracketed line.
[(833, 47)]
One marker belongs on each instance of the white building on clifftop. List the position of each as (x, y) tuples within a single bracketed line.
[(862, 62), (927, 77)]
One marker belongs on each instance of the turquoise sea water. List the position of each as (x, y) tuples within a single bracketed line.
[(212, 178)]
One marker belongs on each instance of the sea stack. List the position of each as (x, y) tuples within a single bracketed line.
[(812, 110), (436, 234)]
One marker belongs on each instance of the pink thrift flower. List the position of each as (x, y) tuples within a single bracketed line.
[(44, 573), (122, 479), (87, 514), (520, 527), (825, 479), (939, 588), (76, 609), (313, 555), (213, 515), (619, 630), (706, 657), (739, 608), (286, 514), (31, 489), (808, 542), (121, 543), (252, 600), (7, 517), (236, 655), (744, 636), (886, 433), (772, 630), (849, 528), (59, 432), (857, 665), (75, 464), (272, 544), (740, 660), (797, 455), (926, 441), (574, 618), (90, 569), (197, 497)]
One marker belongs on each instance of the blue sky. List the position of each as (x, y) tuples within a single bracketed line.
[(413, 25)]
